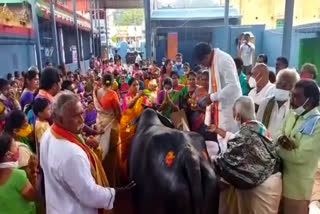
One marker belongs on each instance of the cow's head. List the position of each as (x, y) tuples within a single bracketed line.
[(151, 117)]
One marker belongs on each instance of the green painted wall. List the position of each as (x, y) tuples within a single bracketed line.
[(310, 52)]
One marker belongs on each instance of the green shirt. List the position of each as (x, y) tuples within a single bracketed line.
[(244, 84), (300, 164), (11, 200)]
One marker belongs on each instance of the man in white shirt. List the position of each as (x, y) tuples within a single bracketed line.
[(178, 66), (273, 109), (247, 50), (224, 86), (74, 178), (263, 87), (138, 57)]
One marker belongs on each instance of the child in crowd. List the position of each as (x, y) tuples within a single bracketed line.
[(16, 186), (90, 114), (7, 97), (124, 86), (42, 110)]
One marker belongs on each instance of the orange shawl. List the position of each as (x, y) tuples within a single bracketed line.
[(215, 105)]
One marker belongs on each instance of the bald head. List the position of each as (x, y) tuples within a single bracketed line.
[(261, 68), (287, 78), (260, 73)]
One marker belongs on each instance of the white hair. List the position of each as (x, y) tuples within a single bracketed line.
[(244, 106), (60, 102), (290, 74), (33, 68)]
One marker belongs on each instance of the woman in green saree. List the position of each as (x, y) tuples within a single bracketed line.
[(169, 100)]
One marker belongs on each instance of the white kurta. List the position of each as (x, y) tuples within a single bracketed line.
[(262, 94), (69, 185), (277, 115), (228, 89)]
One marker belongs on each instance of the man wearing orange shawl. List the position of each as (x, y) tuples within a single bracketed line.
[(224, 86), (74, 178)]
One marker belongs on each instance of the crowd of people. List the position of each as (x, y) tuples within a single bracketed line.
[(261, 129)]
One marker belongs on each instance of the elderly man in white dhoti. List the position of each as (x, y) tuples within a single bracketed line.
[(224, 87), (250, 167)]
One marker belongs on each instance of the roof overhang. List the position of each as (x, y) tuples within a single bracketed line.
[(193, 14), (308, 28), (121, 4)]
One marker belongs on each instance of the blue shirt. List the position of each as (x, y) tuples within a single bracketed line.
[(179, 69)]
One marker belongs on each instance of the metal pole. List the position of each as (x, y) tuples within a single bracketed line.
[(91, 22), (36, 34), (54, 30), (226, 25), (96, 25), (106, 29), (147, 14), (74, 6), (287, 29), (99, 43)]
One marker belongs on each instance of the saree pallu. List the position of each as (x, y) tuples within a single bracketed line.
[(109, 141), (127, 131)]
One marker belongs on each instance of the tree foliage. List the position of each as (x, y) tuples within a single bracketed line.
[(129, 17)]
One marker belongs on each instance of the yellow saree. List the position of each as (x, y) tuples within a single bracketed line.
[(126, 133)]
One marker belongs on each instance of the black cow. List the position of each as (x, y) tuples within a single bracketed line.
[(171, 169)]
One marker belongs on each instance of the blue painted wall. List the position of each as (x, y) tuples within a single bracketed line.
[(189, 37), (219, 38), (272, 46), (235, 32), (16, 55)]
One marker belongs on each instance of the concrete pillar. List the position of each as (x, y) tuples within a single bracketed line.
[(226, 25), (35, 24), (54, 31), (106, 28), (99, 43), (75, 18), (147, 15), (92, 27), (62, 54), (287, 29)]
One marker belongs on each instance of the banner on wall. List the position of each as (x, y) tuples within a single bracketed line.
[(172, 48)]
